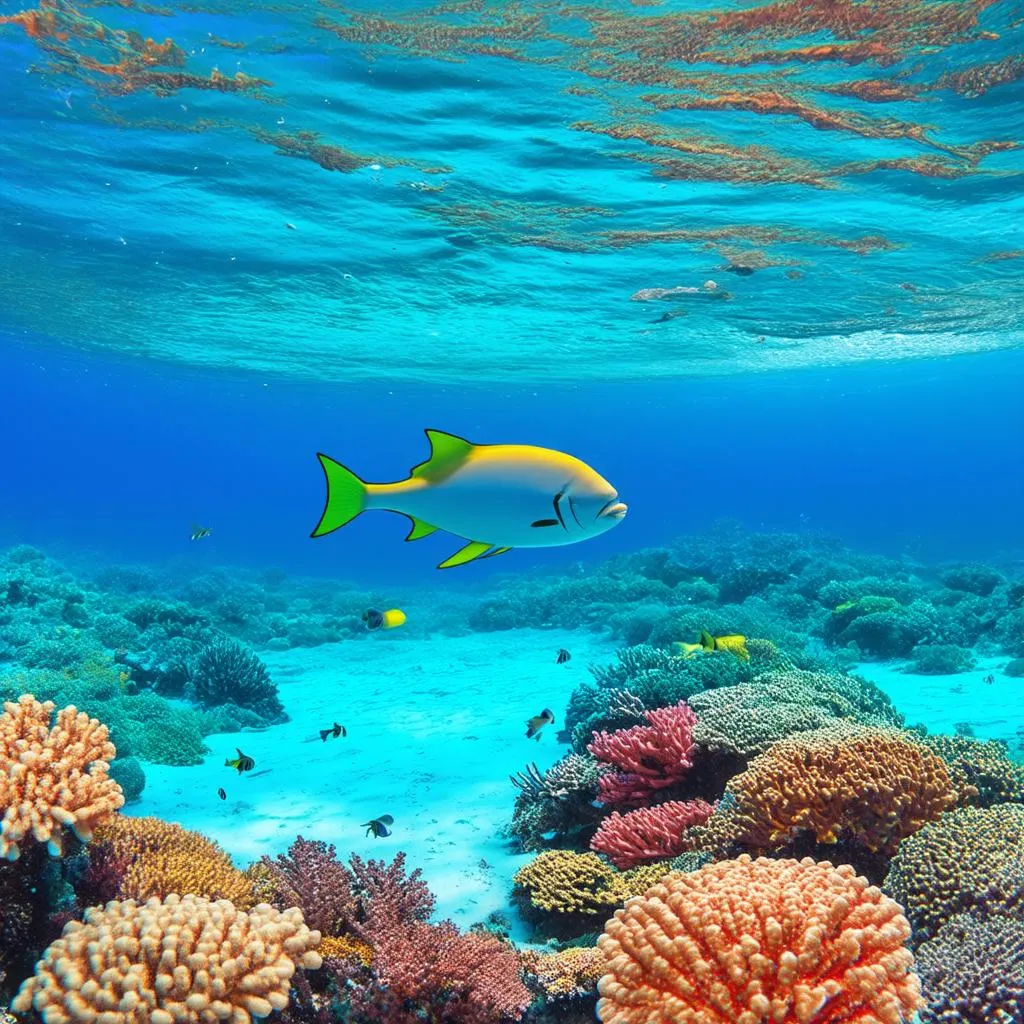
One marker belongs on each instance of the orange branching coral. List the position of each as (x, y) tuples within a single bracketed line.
[(871, 786), (182, 959), (163, 858), (752, 941), (345, 947), (569, 973), (52, 777)]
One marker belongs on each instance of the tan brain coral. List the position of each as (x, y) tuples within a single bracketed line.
[(759, 942), (52, 777), (181, 960), (873, 787)]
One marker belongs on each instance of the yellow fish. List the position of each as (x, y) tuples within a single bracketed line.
[(242, 763), (494, 496), (734, 643), (535, 724), (383, 620)]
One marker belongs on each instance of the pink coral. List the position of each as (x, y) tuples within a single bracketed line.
[(645, 758), (649, 833), (461, 978)]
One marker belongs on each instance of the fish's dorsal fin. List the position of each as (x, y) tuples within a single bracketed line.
[(419, 528), (447, 452), (473, 550)]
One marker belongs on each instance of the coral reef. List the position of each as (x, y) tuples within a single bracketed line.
[(185, 959), (869, 787), (157, 857), (645, 759), (53, 777), (972, 971), (981, 770), (756, 940), (745, 720), (570, 973), (227, 673), (956, 864), (649, 833), (560, 801), (940, 660), (128, 773)]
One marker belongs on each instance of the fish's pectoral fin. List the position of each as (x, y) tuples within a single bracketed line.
[(473, 550), (496, 551), (447, 452), (420, 529)]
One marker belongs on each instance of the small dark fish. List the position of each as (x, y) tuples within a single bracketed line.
[(562, 657), (535, 724), (335, 731), (242, 763), (199, 532), (990, 678), (380, 827), (222, 794)]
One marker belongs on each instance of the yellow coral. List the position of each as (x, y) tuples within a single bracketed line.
[(180, 960), (53, 777), (581, 883), (567, 882), (164, 858), (569, 973), (345, 947)]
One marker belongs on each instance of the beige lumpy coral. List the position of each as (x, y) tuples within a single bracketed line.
[(179, 960), (52, 777)]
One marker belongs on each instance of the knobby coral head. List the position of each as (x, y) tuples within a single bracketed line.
[(178, 959), (757, 941), (53, 777)]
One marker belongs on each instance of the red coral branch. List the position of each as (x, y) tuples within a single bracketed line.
[(646, 758), (649, 833)]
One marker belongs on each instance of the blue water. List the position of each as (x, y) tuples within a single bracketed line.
[(120, 460)]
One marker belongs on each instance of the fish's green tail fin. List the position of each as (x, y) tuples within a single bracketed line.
[(346, 497)]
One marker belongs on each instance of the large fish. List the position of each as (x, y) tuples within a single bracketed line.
[(495, 496)]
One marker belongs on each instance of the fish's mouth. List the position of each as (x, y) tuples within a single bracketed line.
[(615, 511)]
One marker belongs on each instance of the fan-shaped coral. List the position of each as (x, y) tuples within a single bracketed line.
[(751, 941), (649, 833), (952, 864), (872, 787), (180, 959), (646, 758), (160, 857), (52, 777)]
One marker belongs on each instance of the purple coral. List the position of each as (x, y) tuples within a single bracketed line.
[(310, 876), (972, 972)]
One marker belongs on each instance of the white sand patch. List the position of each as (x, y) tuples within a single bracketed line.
[(435, 727), (994, 710)]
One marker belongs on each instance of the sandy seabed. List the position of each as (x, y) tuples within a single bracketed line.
[(435, 728)]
